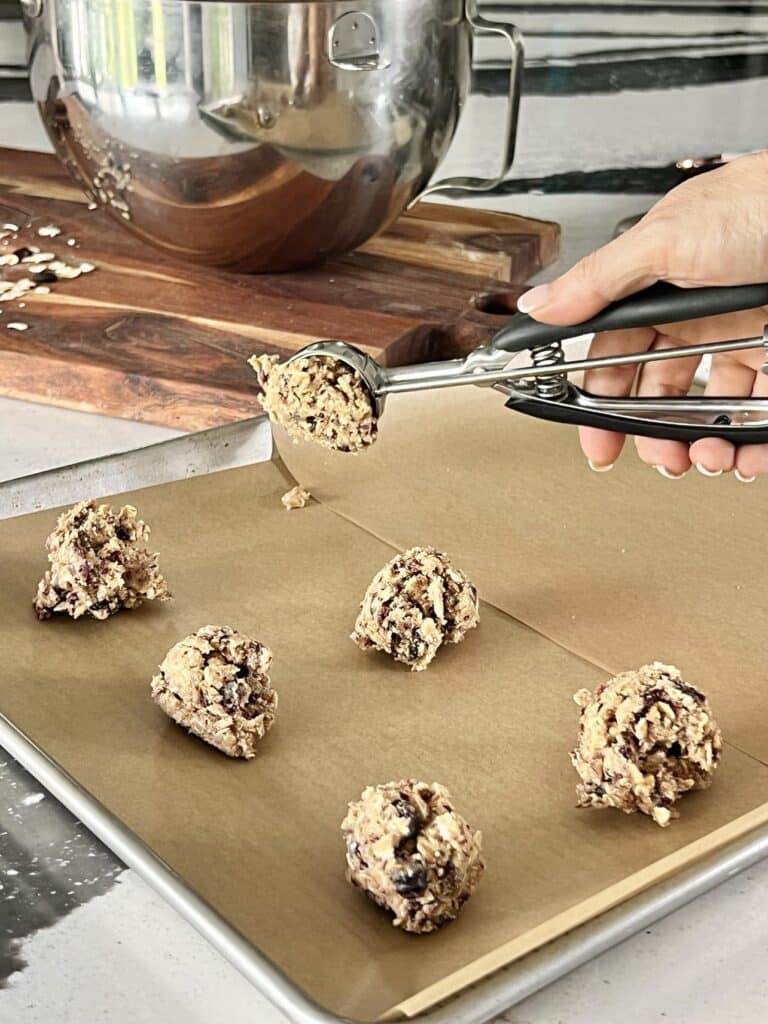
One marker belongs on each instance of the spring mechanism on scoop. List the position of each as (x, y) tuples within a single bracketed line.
[(555, 386)]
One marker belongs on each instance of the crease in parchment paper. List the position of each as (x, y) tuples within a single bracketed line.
[(588, 909), (610, 670), (486, 487)]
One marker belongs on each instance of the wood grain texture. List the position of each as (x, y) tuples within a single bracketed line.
[(150, 338)]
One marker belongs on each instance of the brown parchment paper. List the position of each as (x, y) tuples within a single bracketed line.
[(621, 568), (492, 718)]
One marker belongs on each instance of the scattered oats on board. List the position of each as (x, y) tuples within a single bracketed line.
[(10, 290), (45, 268), (17, 325), (64, 270), (35, 256), (297, 497), (645, 739)]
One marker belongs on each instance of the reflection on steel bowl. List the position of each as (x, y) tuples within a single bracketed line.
[(259, 136)]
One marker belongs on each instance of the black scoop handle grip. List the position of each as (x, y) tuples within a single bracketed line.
[(566, 412), (660, 304)]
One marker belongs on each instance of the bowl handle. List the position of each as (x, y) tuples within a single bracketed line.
[(484, 27)]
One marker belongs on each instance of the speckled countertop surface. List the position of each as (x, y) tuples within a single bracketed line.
[(616, 92)]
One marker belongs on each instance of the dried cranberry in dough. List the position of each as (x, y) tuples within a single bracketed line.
[(645, 739), (416, 603), (216, 683), (412, 853)]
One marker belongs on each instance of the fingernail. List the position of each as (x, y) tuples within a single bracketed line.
[(534, 298), (666, 473), (707, 472), (600, 469), (744, 479)]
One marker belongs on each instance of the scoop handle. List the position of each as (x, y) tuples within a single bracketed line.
[(668, 430), (660, 304)]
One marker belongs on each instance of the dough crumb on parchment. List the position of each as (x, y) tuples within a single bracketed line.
[(99, 563), (645, 738), (412, 853), (215, 682), (317, 399), (297, 497), (416, 603)]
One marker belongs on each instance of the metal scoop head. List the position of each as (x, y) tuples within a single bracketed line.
[(367, 369), (484, 366)]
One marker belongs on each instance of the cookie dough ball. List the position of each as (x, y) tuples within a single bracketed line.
[(317, 399), (417, 602), (99, 564), (215, 683), (412, 853), (645, 738)]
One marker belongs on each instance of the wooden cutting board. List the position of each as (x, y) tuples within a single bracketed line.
[(146, 337)]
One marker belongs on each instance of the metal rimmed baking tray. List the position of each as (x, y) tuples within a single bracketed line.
[(482, 1003), (711, 856)]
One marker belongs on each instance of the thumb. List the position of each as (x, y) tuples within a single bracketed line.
[(630, 262)]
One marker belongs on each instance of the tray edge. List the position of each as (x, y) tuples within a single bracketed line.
[(477, 1004)]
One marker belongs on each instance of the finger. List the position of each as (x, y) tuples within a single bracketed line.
[(727, 379), (752, 459), (747, 323), (671, 378), (630, 262), (603, 447)]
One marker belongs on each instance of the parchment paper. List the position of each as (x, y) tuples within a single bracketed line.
[(492, 719), (622, 567)]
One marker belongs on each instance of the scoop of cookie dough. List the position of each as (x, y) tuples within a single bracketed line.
[(412, 853), (645, 739), (417, 602), (99, 564), (215, 682), (317, 399)]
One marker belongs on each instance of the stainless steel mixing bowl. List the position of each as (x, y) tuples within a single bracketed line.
[(259, 136)]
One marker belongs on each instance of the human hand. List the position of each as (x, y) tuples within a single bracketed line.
[(711, 230)]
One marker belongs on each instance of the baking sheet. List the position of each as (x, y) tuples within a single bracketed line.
[(492, 719)]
